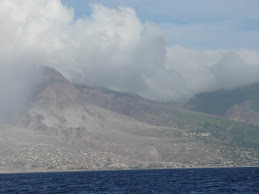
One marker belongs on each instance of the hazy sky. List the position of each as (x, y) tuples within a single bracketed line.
[(196, 24), (162, 50)]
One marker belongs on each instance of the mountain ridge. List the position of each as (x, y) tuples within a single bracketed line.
[(239, 104)]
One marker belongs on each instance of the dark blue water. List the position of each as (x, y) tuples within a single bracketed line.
[(224, 180)]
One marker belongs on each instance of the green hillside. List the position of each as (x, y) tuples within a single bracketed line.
[(220, 101), (222, 130)]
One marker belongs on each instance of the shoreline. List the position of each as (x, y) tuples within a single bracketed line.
[(36, 171)]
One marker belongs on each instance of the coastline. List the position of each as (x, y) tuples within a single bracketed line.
[(34, 171)]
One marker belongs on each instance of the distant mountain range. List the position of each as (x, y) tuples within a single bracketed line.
[(74, 127)]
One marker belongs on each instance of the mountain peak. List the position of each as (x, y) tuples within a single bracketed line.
[(50, 75)]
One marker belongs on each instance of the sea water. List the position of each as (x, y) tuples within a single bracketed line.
[(202, 180)]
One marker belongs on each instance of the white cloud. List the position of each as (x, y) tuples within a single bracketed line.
[(112, 48)]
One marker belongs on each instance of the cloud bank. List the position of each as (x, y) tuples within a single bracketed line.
[(112, 48)]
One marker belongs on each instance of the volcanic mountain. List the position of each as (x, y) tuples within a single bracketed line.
[(67, 126)]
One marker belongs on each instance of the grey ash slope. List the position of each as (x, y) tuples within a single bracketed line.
[(66, 127), (162, 114)]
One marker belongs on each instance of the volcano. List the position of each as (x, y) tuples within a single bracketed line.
[(65, 126)]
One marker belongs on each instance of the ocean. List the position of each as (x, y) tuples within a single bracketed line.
[(198, 180)]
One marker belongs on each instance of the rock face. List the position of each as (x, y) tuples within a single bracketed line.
[(68, 127)]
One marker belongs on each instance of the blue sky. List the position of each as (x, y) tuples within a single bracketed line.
[(200, 24)]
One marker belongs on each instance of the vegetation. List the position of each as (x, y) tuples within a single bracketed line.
[(224, 130), (220, 101)]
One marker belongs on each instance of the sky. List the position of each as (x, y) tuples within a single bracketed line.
[(199, 24), (162, 50)]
